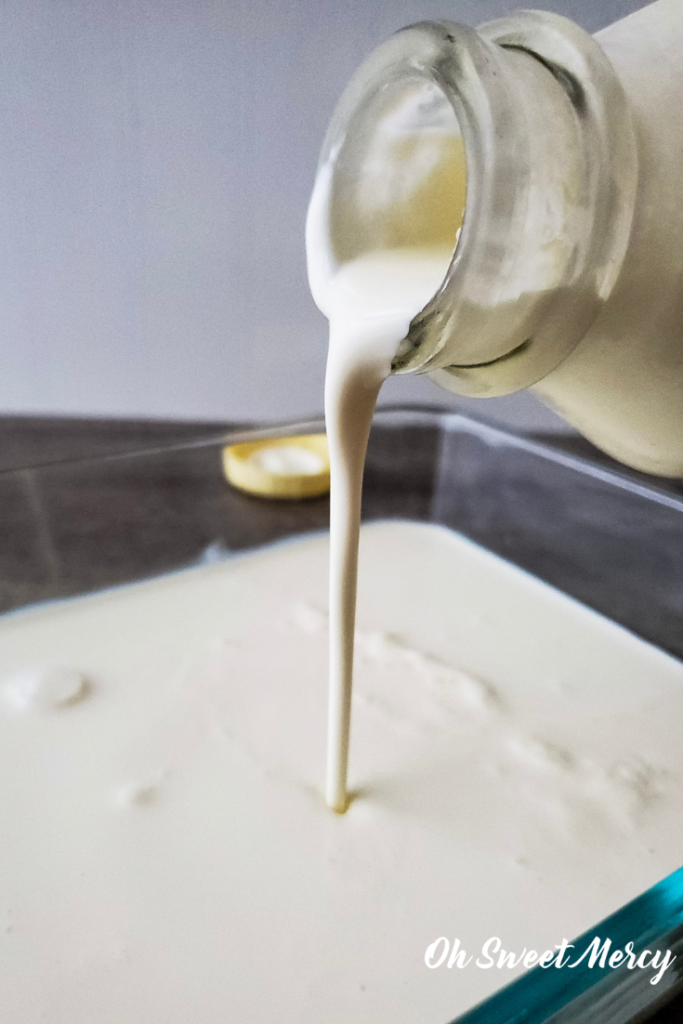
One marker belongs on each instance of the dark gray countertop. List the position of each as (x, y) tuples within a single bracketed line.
[(38, 440)]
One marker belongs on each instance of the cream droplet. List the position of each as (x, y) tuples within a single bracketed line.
[(45, 688)]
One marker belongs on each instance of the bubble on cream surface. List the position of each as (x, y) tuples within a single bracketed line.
[(44, 688)]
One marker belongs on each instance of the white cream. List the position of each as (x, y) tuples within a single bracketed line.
[(167, 853), (370, 303), (415, 189)]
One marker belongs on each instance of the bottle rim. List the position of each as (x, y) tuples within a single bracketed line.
[(472, 69)]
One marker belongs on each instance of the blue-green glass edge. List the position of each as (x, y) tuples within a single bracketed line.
[(646, 921)]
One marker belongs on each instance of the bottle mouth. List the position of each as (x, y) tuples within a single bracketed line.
[(392, 174), (407, 163), (400, 174), (509, 150)]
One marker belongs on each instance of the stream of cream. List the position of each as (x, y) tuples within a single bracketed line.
[(370, 301)]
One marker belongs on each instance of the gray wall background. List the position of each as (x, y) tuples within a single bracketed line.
[(156, 159)]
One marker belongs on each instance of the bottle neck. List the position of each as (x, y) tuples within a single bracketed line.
[(550, 180)]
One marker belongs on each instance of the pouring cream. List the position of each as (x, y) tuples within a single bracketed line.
[(370, 302)]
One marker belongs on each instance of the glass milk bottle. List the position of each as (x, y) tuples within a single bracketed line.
[(550, 162)]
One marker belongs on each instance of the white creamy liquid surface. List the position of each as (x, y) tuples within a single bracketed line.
[(167, 854)]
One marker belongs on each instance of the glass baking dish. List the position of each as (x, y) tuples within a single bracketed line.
[(607, 538)]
